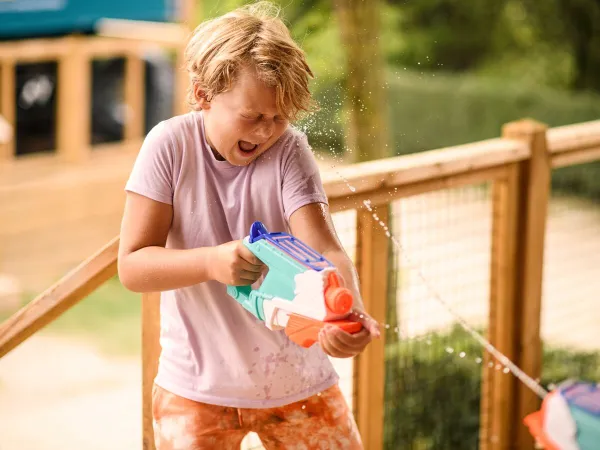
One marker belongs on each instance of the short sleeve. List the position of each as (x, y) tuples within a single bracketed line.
[(301, 178), (152, 173)]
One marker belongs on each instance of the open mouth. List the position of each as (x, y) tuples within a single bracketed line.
[(247, 147)]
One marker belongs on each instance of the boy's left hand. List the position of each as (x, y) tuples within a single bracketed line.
[(340, 344)]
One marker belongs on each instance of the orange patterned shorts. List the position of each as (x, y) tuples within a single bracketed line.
[(322, 421)]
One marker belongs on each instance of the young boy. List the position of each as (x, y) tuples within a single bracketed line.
[(199, 182)]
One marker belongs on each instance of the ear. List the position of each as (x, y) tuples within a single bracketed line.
[(201, 97)]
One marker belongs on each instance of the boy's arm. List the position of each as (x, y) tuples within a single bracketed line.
[(145, 265), (312, 224)]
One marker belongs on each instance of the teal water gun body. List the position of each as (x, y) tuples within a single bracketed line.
[(301, 292)]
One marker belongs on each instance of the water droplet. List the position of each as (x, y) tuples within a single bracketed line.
[(478, 360), (387, 325), (462, 354), (506, 370), (449, 349), (352, 188), (303, 406)]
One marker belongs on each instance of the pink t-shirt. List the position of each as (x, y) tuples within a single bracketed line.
[(213, 350)]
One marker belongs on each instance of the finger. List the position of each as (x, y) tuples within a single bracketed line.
[(335, 346), (328, 348), (245, 265), (250, 257), (249, 276), (354, 342)]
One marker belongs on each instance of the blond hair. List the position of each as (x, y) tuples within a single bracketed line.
[(253, 34)]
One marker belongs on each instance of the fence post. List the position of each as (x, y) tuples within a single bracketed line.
[(534, 193), (74, 103), (369, 369), (150, 355), (498, 392), (8, 110), (134, 97)]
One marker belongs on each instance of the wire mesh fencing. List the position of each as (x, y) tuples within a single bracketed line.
[(345, 225), (570, 303), (441, 263)]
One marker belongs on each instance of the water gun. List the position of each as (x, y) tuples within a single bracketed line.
[(301, 293), (569, 418)]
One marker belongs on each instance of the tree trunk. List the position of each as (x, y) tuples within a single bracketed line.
[(366, 109)]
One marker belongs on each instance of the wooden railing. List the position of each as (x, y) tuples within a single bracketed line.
[(518, 166), (74, 55)]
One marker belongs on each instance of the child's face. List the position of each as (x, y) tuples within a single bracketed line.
[(244, 122)]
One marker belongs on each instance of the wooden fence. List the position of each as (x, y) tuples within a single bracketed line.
[(518, 165)]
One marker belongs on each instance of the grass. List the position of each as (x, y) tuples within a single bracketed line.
[(109, 319)]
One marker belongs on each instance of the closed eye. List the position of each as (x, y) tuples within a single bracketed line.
[(261, 117)]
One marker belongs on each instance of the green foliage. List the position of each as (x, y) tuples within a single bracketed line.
[(449, 34), (433, 396)]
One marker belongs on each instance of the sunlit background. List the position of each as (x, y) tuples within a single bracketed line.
[(449, 73)]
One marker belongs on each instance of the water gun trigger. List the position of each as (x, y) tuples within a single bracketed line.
[(304, 331)]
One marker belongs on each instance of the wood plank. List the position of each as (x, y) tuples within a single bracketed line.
[(135, 82), (429, 165), (182, 82), (74, 103), (388, 194), (498, 403), (42, 170), (150, 354), (369, 383), (7, 111), (69, 290), (534, 193), (34, 50), (161, 33), (573, 137), (574, 157)]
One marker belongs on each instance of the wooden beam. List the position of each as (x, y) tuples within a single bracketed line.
[(533, 196), (499, 390), (429, 165), (182, 83), (579, 156), (150, 354), (8, 102), (74, 103), (573, 137), (34, 50), (387, 194), (163, 33), (134, 97), (369, 381), (53, 302)]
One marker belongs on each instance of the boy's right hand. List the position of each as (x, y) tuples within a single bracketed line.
[(236, 265)]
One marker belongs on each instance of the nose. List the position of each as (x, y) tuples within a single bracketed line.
[(264, 131)]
